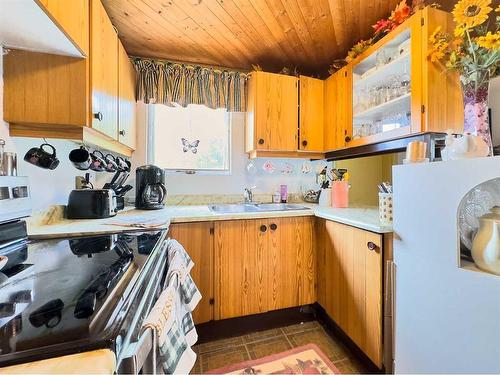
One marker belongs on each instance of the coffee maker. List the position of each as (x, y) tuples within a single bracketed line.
[(150, 191)]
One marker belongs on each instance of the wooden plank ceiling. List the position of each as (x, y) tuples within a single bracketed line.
[(307, 34)]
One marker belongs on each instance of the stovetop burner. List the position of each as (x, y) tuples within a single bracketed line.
[(70, 292)]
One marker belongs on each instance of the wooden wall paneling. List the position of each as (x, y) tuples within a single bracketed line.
[(104, 71), (198, 241), (126, 99), (271, 33), (311, 112), (73, 20), (45, 88)]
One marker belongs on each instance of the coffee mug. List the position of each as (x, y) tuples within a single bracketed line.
[(98, 164), (123, 165), (41, 158), (80, 157), (110, 163)]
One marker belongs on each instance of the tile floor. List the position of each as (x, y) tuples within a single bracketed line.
[(216, 354)]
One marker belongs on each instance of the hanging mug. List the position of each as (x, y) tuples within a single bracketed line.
[(110, 163), (98, 164), (122, 164), (41, 158), (80, 157)]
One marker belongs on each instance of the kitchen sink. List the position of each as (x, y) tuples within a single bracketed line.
[(255, 207)]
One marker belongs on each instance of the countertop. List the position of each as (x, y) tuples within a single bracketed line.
[(361, 217)]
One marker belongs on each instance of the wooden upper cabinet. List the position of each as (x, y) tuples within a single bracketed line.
[(197, 239), (440, 94), (72, 19), (311, 110), (338, 109), (349, 278), (103, 71), (126, 99), (272, 116)]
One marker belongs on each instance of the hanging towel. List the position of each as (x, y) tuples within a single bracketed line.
[(175, 355), (180, 264)]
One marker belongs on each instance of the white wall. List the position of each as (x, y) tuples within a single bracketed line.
[(47, 187), (235, 183)]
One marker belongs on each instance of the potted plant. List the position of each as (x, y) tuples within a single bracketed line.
[(474, 51)]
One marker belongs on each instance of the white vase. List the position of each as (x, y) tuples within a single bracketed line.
[(486, 244)]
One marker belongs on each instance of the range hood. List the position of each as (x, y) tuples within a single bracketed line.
[(435, 141), (25, 25)]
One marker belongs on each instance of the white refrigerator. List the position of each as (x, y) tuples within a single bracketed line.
[(446, 318)]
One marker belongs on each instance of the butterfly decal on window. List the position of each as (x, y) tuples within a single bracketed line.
[(193, 147)]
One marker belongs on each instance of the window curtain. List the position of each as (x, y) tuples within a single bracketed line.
[(168, 83)]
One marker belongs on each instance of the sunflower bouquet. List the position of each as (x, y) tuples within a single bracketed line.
[(474, 51)]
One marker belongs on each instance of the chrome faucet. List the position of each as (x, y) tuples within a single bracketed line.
[(248, 195)]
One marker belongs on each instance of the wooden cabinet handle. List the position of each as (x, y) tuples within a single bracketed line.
[(263, 228), (347, 138), (98, 116), (261, 141), (122, 133), (273, 226), (304, 143), (371, 246)]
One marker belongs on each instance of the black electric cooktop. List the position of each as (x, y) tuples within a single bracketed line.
[(62, 296)]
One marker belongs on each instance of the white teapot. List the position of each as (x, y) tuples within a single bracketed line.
[(486, 243), (464, 147)]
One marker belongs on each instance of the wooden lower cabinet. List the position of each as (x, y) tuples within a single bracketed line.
[(197, 239), (349, 280), (263, 265)]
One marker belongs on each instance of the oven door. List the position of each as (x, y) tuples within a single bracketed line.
[(138, 351)]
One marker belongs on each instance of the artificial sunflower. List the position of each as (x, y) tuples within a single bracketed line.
[(489, 41), (471, 13)]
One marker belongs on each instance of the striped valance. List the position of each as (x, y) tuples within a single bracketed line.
[(168, 83)]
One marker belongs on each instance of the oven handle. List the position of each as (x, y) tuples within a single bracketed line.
[(142, 356)]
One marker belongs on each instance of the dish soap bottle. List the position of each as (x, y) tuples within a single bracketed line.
[(284, 193)]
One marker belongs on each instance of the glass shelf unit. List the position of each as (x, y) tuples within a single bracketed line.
[(382, 90)]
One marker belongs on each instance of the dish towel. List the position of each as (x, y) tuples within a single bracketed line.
[(171, 317)]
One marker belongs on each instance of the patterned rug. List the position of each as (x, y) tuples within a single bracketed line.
[(307, 359)]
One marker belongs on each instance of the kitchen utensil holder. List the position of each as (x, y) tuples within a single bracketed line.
[(385, 207)]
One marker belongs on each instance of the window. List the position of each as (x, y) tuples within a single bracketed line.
[(195, 138)]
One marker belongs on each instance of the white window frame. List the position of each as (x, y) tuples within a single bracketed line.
[(150, 155)]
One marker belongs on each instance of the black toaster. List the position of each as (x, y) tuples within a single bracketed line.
[(91, 204)]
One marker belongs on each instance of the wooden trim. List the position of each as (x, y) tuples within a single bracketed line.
[(70, 132), (380, 137), (286, 154)]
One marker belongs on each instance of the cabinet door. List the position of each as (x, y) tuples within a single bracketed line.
[(311, 109), (291, 263), (240, 268), (352, 290), (275, 111), (73, 18), (338, 110), (104, 72), (440, 94), (126, 99), (197, 239)]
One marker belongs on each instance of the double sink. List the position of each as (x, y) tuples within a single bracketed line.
[(255, 207)]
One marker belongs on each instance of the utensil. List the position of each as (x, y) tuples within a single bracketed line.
[(41, 158), (2, 147), (80, 157)]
